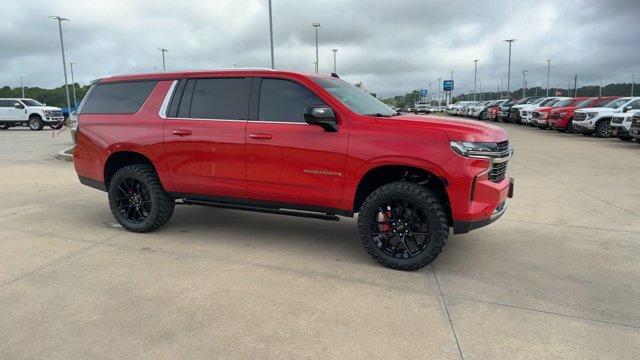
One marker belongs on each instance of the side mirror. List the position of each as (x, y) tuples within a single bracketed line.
[(626, 108), (17, 105), (322, 116)]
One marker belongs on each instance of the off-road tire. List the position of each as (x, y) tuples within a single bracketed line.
[(35, 123), (57, 126), (162, 204), (434, 210), (603, 129)]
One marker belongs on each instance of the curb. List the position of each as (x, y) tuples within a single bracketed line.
[(66, 154)]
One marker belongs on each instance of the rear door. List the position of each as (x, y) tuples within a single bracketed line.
[(288, 160), (204, 136), (5, 107)]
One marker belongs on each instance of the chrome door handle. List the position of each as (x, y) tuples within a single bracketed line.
[(181, 132), (260, 136)]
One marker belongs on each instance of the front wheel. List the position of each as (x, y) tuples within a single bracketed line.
[(625, 138), (137, 199), (56, 126), (4, 126), (36, 123), (603, 129), (403, 226)]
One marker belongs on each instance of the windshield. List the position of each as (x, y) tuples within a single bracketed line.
[(537, 101), (29, 102), (616, 103), (355, 98), (585, 104), (563, 103)]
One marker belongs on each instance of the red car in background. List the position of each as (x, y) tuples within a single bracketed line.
[(541, 115), (560, 118)]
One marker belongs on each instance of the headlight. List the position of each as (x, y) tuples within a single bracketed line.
[(466, 148), (592, 115)]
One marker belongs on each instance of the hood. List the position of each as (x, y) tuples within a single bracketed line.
[(597, 109), (45, 108), (564, 108), (456, 129)]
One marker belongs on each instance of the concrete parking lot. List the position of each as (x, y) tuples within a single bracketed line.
[(557, 277)]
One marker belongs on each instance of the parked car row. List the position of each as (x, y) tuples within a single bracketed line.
[(607, 116)]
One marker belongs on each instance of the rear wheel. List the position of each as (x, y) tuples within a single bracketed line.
[(603, 129), (4, 126), (35, 123), (137, 199), (403, 226)]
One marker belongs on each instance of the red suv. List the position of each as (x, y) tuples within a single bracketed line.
[(561, 117), (292, 144)]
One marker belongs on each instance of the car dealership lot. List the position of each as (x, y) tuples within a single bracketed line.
[(556, 277)]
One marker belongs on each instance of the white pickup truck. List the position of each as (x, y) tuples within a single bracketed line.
[(28, 112), (598, 120)]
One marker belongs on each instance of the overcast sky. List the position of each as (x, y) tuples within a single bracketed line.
[(392, 46)]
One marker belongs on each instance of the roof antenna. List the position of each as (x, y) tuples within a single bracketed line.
[(335, 75)]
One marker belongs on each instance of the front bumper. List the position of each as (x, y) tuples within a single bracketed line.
[(53, 119), (462, 227), (634, 131), (619, 130), (584, 126)]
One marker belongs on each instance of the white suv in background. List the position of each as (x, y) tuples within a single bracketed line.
[(28, 112), (526, 112), (621, 124), (598, 120)]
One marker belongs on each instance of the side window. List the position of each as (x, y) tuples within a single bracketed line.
[(118, 98), (284, 100), (6, 103), (223, 98), (635, 104)]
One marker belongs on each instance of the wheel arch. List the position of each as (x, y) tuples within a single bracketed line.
[(383, 174), (119, 159), (34, 114)]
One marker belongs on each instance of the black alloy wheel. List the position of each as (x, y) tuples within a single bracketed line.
[(400, 228), (133, 200), (403, 225)]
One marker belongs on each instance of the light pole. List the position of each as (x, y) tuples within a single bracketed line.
[(600, 92), (510, 41), (633, 80), (73, 85), (524, 83), (163, 50), (64, 61), (22, 87), (548, 71), (316, 26), (430, 95), (271, 35), (451, 91), (475, 77), (439, 92), (334, 60)]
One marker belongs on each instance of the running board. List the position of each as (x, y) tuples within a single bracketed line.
[(266, 210)]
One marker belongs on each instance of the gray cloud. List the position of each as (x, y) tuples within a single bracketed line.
[(394, 47)]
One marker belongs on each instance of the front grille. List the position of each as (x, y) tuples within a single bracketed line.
[(55, 113), (498, 172), (535, 114), (503, 146), (617, 120), (524, 113), (579, 116), (553, 116)]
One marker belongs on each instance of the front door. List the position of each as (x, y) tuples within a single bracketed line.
[(288, 160), (205, 137)]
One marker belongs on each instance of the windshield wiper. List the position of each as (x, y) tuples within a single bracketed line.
[(382, 115)]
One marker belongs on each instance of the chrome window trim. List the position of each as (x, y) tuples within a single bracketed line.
[(165, 103)]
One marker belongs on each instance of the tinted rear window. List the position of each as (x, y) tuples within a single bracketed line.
[(224, 98), (118, 98)]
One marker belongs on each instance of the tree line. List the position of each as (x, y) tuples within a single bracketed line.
[(52, 97)]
